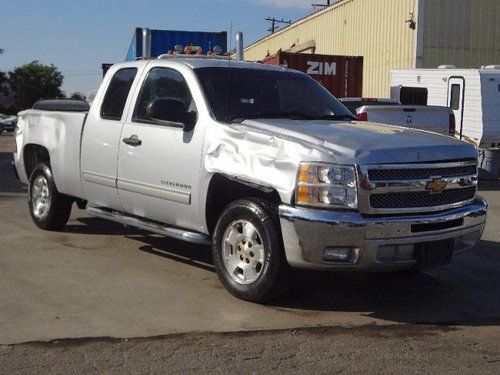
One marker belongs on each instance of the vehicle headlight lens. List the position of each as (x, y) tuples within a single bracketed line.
[(326, 185)]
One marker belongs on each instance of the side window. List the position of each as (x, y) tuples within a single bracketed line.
[(413, 96), (163, 83), (117, 93), (455, 96)]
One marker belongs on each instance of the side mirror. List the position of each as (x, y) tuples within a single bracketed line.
[(171, 112)]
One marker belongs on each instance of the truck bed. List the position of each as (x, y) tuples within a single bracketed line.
[(60, 132), (431, 118)]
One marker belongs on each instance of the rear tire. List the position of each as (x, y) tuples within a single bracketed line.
[(248, 251), (49, 209)]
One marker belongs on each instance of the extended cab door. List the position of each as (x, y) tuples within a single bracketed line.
[(456, 86), (159, 162), (100, 139)]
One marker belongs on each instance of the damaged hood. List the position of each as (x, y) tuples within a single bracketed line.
[(365, 142)]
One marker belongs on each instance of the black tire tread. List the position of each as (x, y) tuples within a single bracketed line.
[(60, 208), (280, 284)]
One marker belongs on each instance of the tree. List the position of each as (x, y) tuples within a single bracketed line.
[(35, 81), (4, 93), (77, 96)]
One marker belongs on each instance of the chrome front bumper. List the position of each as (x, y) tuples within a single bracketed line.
[(308, 232)]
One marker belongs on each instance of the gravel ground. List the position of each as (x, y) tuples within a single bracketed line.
[(398, 349)]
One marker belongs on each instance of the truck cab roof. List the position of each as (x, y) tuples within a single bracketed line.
[(203, 62)]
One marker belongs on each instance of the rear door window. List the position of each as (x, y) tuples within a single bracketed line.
[(117, 93)]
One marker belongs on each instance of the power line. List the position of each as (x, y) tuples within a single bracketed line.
[(274, 22), (328, 3)]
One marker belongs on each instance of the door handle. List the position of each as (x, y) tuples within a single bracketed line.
[(133, 140)]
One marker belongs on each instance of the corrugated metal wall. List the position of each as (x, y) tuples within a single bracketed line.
[(465, 33), (374, 29)]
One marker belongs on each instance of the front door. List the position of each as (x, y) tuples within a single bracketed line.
[(159, 163), (100, 140), (456, 102)]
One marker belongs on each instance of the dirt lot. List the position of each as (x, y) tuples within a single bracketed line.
[(366, 349), (100, 297)]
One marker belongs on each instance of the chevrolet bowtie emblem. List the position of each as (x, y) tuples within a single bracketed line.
[(436, 185)]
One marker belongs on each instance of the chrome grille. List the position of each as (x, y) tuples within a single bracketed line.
[(421, 198), (408, 188), (410, 174)]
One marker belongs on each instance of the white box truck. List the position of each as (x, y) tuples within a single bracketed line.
[(473, 95)]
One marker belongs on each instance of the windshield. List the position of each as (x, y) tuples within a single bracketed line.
[(235, 94)]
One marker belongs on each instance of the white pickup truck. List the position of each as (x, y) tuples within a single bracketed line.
[(260, 162), (432, 118)]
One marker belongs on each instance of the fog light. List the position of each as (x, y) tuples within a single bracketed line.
[(394, 253), (341, 254)]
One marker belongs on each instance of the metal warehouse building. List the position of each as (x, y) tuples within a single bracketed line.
[(394, 34)]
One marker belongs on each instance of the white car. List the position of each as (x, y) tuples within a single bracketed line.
[(7, 123)]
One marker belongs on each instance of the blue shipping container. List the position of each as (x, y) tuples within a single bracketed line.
[(164, 40)]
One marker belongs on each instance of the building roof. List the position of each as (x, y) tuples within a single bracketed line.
[(302, 20)]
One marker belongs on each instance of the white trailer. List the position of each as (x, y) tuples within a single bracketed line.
[(473, 95)]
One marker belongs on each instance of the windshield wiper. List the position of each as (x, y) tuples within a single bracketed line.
[(293, 116), (275, 115)]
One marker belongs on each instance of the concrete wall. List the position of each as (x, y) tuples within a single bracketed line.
[(375, 29)]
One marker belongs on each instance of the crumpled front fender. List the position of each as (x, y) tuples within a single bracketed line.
[(264, 158)]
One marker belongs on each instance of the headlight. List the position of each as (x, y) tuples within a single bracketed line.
[(326, 185)]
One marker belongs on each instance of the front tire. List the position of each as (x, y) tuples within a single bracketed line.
[(248, 252), (49, 209)]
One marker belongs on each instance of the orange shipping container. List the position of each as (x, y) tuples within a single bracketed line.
[(341, 75)]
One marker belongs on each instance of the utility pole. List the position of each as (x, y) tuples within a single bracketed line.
[(328, 3), (274, 22)]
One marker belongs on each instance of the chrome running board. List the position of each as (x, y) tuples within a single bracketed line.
[(149, 226)]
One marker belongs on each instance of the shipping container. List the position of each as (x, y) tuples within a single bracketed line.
[(161, 41), (341, 75)]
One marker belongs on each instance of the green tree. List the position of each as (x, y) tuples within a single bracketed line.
[(4, 93), (77, 96), (35, 81)]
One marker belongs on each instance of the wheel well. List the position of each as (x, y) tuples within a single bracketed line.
[(224, 190), (33, 155)]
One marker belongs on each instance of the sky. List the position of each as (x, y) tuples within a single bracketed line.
[(78, 35)]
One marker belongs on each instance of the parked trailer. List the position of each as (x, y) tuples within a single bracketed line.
[(153, 43), (341, 75), (473, 94)]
